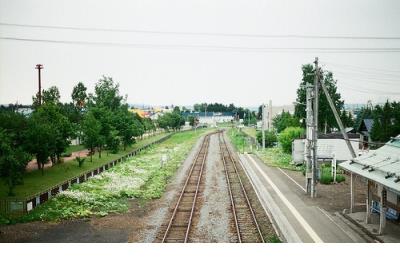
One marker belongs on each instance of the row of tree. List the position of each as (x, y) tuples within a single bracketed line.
[(101, 120), (386, 119)]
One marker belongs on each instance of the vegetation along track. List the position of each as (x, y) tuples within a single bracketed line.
[(246, 225), (179, 225)]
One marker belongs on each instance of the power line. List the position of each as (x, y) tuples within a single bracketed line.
[(271, 36), (214, 47), (363, 67)]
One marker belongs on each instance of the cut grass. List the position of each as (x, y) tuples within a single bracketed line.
[(140, 177), (35, 182)]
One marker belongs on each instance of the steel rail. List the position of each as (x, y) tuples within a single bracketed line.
[(244, 191), (197, 191), (203, 145), (230, 192)]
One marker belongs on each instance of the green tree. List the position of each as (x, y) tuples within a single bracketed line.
[(287, 137), (49, 96), (79, 96), (106, 94), (91, 129), (270, 138), (13, 161), (284, 120), (383, 127), (326, 119)]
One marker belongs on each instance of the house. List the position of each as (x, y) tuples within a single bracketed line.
[(380, 169), (365, 130)]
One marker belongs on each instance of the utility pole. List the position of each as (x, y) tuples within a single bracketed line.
[(315, 132), (309, 132), (338, 120), (39, 67), (263, 125)]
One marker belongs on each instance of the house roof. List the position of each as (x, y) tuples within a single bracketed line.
[(368, 123), (381, 165)]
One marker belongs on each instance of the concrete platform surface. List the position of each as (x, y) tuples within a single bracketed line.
[(297, 221)]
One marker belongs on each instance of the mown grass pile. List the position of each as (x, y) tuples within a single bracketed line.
[(140, 177)]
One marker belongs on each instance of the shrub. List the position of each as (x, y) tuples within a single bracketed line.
[(287, 136), (270, 138)]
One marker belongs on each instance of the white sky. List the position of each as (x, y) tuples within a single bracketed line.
[(189, 75)]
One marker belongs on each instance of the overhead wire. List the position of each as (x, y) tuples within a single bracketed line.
[(215, 34), (214, 47)]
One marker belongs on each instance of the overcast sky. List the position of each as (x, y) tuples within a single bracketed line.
[(182, 69)]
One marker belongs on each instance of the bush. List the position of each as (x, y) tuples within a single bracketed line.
[(287, 136), (326, 175), (270, 138), (66, 154)]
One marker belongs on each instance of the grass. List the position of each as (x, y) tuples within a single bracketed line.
[(273, 156), (74, 148), (140, 177), (250, 131), (326, 177), (35, 182)]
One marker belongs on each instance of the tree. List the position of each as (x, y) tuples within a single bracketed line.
[(13, 161), (383, 127), (287, 137), (91, 129), (284, 120), (270, 138), (49, 96), (326, 118), (39, 139), (79, 95), (106, 94)]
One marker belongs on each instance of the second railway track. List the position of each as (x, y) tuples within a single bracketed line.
[(246, 225)]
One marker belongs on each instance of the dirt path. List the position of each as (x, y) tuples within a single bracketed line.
[(32, 165)]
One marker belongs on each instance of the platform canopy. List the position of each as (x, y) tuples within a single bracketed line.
[(381, 166)]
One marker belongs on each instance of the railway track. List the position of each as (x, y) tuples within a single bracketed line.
[(179, 225), (246, 225)]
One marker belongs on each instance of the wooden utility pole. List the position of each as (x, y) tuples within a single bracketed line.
[(338, 120), (315, 168), (309, 132), (39, 67), (263, 125)]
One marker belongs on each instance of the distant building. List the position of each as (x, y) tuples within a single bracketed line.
[(328, 145), (211, 118), (365, 130)]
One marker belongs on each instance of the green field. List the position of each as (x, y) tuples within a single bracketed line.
[(141, 177), (35, 182)]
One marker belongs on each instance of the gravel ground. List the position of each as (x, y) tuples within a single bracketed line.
[(214, 220), (333, 197)]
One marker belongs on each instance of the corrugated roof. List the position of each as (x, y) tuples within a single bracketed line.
[(381, 165)]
